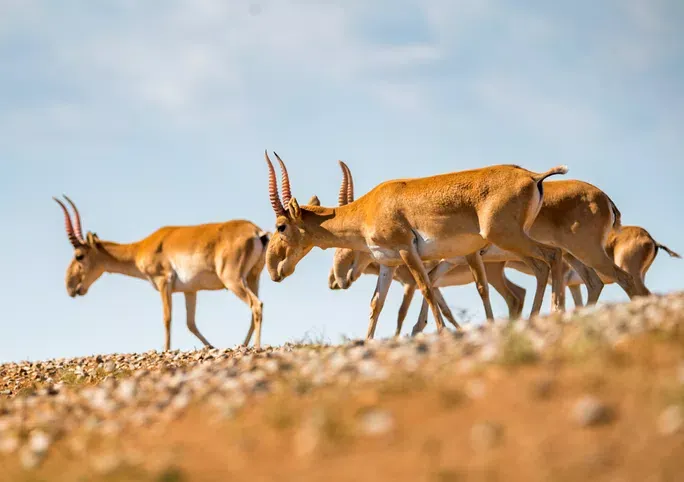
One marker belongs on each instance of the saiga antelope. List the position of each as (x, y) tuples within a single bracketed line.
[(513, 294), (408, 221), (632, 248), (175, 259), (578, 218)]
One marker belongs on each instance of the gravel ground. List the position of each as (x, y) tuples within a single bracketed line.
[(67, 401)]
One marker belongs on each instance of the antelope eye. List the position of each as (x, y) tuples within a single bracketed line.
[(281, 228), (79, 257)]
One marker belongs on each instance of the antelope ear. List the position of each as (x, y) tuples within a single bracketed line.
[(294, 210), (314, 201), (92, 240)]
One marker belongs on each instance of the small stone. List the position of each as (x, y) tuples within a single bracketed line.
[(542, 388), (28, 459), (8, 444), (109, 367), (127, 390), (475, 389), (308, 437), (486, 435), (367, 354), (422, 347), (106, 464), (39, 442), (590, 411), (489, 352), (337, 362), (465, 366), (377, 422), (270, 366), (671, 420), (371, 370), (180, 401), (261, 386)]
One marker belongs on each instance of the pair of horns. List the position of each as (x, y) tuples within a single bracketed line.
[(74, 232), (347, 188), (273, 186)]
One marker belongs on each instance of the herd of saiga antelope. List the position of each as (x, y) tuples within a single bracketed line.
[(444, 230)]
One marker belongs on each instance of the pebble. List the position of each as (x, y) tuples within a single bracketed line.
[(542, 388), (39, 442), (589, 411), (486, 435), (371, 370), (475, 389), (28, 459), (8, 444), (671, 420), (162, 385), (377, 422), (489, 352), (106, 464), (127, 390), (422, 348)]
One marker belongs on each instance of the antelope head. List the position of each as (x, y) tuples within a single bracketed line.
[(348, 264), (86, 266), (291, 241)]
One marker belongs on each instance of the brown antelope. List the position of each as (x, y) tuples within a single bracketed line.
[(578, 218), (458, 276), (175, 259), (408, 221), (632, 248), (575, 216), (513, 294)]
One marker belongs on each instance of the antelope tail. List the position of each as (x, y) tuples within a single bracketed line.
[(667, 250), (264, 237), (617, 223), (551, 172)]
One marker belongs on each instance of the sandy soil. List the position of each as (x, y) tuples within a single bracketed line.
[(607, 414)]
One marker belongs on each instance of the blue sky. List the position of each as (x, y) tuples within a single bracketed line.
[(155, 113)]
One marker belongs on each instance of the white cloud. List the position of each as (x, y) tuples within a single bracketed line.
[(208, 61), (190, 60)]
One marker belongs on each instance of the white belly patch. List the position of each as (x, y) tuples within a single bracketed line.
[(384, 254), (192, 272), (494, 253)]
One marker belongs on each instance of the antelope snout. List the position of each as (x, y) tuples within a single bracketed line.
[(343, 284), (77, 291)]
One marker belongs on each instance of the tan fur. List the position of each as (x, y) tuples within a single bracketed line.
[(349, 264), (578, 218), (185, 259), (407, 221), (513, 294), (632, 248)]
